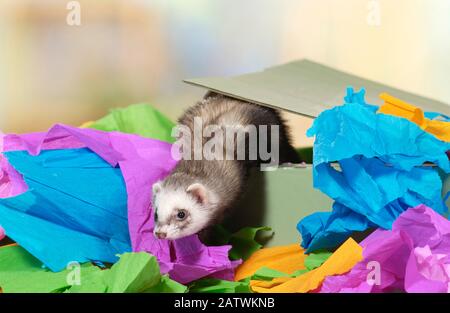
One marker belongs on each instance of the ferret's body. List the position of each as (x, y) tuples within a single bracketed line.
[(204, 190)]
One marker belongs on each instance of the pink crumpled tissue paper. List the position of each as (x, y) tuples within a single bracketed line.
[(414, 257)]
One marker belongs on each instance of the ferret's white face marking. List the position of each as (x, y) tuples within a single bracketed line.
[(178, 212)]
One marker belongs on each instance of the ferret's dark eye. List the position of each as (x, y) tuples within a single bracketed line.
[(156, 216), (181, 215)]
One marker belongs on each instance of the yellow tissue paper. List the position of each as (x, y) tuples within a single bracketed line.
[(342, 260), (286, 259), (397, 107)]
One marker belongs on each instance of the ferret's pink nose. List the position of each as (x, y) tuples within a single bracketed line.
[(160, 235)]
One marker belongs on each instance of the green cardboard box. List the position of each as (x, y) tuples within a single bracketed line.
[(280, 198)]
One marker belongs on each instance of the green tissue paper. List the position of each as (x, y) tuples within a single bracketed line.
[(139, 119)]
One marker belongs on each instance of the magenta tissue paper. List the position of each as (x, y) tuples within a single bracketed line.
[(142, 161), (414, 257)]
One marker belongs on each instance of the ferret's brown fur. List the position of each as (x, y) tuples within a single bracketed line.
[(227, 178)]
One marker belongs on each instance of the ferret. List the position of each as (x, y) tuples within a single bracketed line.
[(197, 194)]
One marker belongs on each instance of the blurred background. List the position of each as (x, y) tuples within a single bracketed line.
[(132, 51)]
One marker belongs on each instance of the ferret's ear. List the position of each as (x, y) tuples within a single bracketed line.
[(156, 187), (199, 192)]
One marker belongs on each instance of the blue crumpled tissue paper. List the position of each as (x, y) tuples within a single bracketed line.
[(380, 171), (74, 210)]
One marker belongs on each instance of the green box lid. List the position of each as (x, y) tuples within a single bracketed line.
[(306, 88)]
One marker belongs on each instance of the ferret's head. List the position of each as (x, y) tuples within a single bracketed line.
[(181, 211)]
